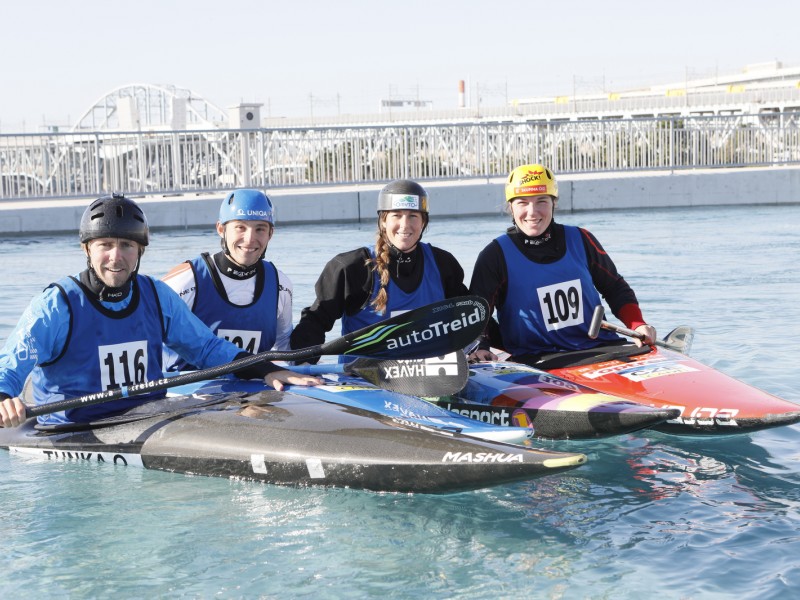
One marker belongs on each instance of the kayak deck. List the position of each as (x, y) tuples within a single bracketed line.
[(708, 401), (401, 408)]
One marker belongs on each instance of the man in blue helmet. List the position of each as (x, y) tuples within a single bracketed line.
[(238, 294), (105, 327)]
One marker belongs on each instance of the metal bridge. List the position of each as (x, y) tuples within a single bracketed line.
[(152, 139), (150, 107)]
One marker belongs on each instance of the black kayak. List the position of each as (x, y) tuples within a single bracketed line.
[(283, 438)]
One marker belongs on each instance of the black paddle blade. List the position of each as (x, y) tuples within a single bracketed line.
[(433, 330), (435, 376)]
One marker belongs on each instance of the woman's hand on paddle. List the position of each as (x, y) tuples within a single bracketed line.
[(277, 379), (649, 333), (12, 412), (482, 355)]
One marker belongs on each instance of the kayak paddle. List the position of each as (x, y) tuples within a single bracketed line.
[(432, 330), (679, 339), (435, 376)]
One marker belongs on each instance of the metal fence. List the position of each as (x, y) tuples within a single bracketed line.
[(66, 165)]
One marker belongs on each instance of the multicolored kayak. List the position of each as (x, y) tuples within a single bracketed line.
[(708, 401), (512, 394), (400, 408), (285, 438)]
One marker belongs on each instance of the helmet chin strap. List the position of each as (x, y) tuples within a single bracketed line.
[(399, 252), (223, 241), (104, 292), (537, 240)]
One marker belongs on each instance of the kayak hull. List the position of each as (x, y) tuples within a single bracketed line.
[(708, 401), (507, 393), (286, 439)]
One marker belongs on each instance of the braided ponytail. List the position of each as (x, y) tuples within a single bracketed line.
[(380, 266)]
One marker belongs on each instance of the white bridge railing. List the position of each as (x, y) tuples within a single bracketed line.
[(68, 165)]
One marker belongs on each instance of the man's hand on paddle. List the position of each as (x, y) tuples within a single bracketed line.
[(12, 412)]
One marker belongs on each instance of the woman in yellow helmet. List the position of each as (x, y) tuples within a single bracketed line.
[(544, 279)]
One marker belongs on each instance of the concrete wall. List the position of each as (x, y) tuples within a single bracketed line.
[(774, 185)]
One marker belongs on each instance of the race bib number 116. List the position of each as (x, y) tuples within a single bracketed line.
[(123, 364)]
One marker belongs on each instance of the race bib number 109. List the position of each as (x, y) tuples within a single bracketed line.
[(123, 364), (561, 304)]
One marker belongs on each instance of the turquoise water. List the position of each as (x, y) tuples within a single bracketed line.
[(650, 515)]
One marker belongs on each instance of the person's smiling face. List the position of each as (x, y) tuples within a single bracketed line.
[(246, 240), (403, 228), (113, 259), (532, 214)]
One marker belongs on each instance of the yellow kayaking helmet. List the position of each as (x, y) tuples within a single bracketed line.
[(531, 180)]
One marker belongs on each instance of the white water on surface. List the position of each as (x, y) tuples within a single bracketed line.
[(650, 515)]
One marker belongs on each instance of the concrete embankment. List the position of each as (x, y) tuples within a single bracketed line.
[(606, 191)]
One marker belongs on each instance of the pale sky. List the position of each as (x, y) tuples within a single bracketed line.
[(58, 57)]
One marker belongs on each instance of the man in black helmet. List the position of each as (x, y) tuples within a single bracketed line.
[(105, 327), (366, 285)]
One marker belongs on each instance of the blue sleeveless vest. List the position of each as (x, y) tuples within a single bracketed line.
[(105, 349), (430, 290), (548, 307), (253, 327)]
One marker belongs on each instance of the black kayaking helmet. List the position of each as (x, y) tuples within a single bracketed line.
[(403, 194), (114, 216)]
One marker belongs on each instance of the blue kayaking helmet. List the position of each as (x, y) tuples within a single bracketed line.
[(246, 205)]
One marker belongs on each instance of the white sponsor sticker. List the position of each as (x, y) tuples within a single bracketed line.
[(441, 365), (643, 374), (258, 464), (315, 470), (113, 458)]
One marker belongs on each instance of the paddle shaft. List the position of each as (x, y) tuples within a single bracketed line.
[(431, 330), (163, 383), (598, 322)]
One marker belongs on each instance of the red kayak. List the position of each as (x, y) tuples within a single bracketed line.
[(710, 401)]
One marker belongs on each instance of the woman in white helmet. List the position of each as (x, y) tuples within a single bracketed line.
[(544, 279), (400, 273)]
